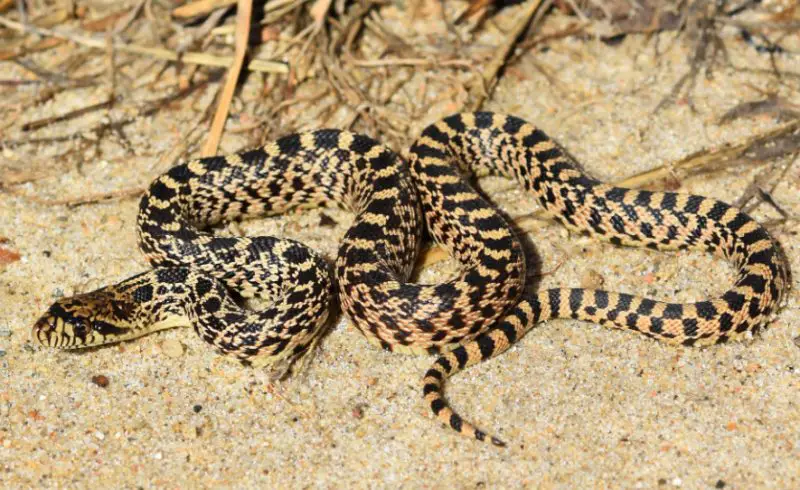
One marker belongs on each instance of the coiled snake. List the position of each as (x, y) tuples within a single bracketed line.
[(479, 311)]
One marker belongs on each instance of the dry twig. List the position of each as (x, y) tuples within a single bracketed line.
[(101, 129), (81, 200), (499, 60), (243, 14), (40, 123), (411, 62)]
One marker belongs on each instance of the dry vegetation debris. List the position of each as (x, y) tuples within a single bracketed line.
[(370, 65)]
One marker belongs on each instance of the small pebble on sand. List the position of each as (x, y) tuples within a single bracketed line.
[(592, 279), (172, 348)]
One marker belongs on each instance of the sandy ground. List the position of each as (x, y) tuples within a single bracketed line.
[(581, 406)]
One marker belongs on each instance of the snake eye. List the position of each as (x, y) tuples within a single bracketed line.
[(79, 327)]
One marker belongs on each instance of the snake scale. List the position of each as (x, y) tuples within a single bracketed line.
[(479, 313)]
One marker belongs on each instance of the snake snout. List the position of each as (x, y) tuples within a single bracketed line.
[(45, 331), (84, 320), (57, 329)]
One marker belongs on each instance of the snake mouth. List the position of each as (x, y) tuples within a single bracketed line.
[(68, 326), (50, 331), (45, 331)]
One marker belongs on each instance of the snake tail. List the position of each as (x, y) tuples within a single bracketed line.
[(657, 220)]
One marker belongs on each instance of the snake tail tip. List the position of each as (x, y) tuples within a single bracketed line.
[(481, 436)]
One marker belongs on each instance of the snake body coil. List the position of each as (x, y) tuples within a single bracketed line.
[(195, 268), (479, 311)]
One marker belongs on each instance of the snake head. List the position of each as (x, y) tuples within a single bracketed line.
[(88, 319)]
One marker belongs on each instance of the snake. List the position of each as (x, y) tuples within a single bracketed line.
[(200, 279), (476, 315)]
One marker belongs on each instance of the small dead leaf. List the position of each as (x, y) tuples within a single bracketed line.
[(358, 411), (8, 256), (326, 221), (476, 6), (35, 415), (113, 220), (104, 23), (183, 82), (270, 33), (172, 348), (433, 255), (592, 279)]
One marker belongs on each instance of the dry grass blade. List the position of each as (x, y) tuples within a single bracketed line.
[(243, 14), (318, 11), (43, 45), (103, 23), (160, 53), (200, 7), (707, 158), (499, 60), (773, 105), (95, 133), (411, 62)]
